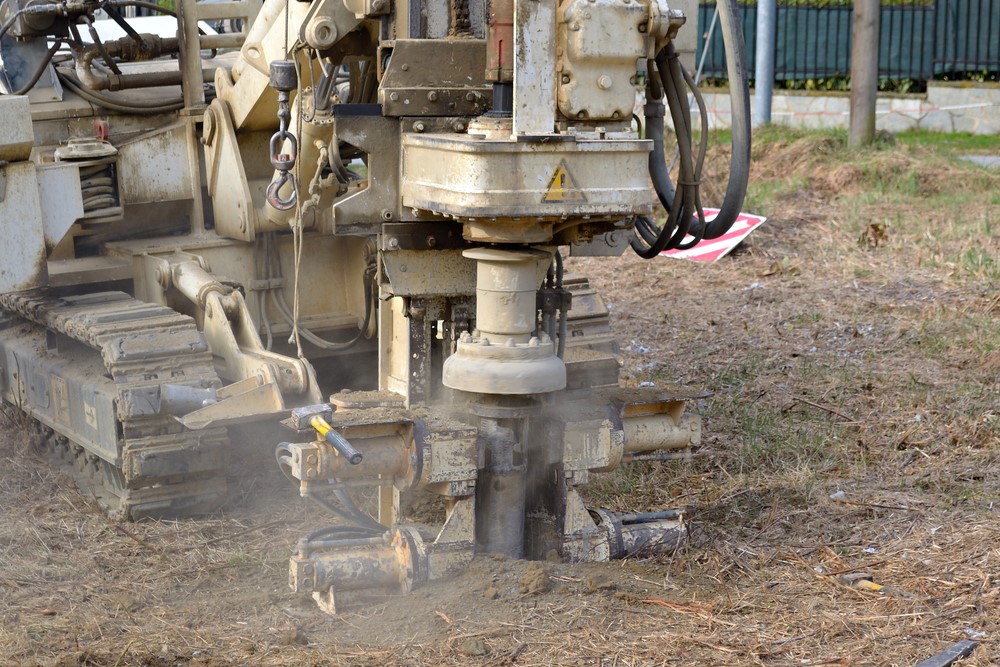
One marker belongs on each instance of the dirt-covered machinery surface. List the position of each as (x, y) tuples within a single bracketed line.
[(344, 226)]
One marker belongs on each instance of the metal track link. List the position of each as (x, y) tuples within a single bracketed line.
[(161, 468)]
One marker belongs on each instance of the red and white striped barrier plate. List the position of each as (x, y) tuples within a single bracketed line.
[(709, 251)]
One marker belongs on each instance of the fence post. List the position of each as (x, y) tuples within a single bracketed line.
[(763, 85), (864, 72)]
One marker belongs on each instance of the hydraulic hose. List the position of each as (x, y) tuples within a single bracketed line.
[(158, 107), (347, 510), (683, 203), (739, 168)]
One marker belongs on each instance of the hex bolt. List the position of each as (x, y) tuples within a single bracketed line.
[(565, 78), (394, 97), (458, 126), (419, 126), (604, 82), (393, 242), (432, 96)]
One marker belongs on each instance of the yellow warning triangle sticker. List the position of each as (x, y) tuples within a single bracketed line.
[(562, 188)]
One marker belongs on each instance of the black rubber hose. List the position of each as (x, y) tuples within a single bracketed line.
[(669, 68), (683, 205), (739, 168), (649, 241), (105, 102), (658, 172), (350, 513), (355, 521), (152, 6)]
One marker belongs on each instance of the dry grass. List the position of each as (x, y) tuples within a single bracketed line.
[(854, 429)]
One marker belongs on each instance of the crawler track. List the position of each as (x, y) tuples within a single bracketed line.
[(136, 462)]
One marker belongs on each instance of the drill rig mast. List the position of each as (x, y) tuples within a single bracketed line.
[(227, 235)]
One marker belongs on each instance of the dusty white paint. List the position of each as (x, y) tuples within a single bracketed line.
[(534, 75)]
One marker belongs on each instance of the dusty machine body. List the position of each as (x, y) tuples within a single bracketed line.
[(345, 215)]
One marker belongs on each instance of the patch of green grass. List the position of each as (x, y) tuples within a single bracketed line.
[(951, 142), (942, 335), (760, 195), (980, 263)]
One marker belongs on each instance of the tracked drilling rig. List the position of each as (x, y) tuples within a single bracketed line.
[(350, 217)]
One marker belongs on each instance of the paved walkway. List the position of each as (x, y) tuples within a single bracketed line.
[(991, 161)]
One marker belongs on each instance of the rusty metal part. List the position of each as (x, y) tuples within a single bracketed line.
[(393, 563), (500, 42), (337, 570), (427, 77), (434, 452), (645, 534), (152, 465)]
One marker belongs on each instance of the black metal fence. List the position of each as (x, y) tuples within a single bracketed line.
[(920, 40)]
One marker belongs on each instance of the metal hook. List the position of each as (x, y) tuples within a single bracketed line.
[(274, 199)]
